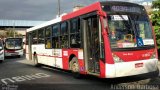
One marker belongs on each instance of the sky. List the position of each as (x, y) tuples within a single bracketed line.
[(41, 10)]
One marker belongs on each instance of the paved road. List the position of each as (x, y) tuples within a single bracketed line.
[(20, 74)]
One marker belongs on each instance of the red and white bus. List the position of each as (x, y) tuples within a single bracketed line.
[(13, 47), (106, 39)]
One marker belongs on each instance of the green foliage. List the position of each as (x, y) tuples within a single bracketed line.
[(156, 20), (12, 33), (156, 4), (157, 32)]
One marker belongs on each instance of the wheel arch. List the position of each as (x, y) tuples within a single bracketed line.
[(71, 57)]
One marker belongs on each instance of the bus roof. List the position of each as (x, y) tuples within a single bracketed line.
[(90, 8), (45, 24)]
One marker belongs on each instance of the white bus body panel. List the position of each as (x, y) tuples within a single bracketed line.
[(123, 69), (50, 57), (16, 53)]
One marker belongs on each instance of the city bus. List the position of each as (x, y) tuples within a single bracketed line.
[(107, 39), (1, 51), (13, 47)]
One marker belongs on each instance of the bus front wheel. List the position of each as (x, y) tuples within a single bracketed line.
[(74, 67)]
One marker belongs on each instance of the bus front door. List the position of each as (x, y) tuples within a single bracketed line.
[(91, 44)]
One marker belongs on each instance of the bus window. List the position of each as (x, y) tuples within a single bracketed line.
[(64, 35), (40, 36), (55, 31), (48, 43), (55, 36), (75, 41), (48, 37), (34, 37), (1, 44), (48, 32)]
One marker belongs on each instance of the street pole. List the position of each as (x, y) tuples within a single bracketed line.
[(59, 8)]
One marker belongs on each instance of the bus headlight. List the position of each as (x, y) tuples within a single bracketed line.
[(117, 59)]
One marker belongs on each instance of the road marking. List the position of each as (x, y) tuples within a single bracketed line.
[(24, 78)]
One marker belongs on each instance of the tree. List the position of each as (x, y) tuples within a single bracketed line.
[(156, 19), (12, 33)]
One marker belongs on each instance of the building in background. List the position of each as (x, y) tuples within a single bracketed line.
[(18, 26)]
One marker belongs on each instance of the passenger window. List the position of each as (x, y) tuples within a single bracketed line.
[(75, 41), (64, 35), (48, 43), (41, 36), (48, 32), (48, 38), (34, 37), (55, 36)]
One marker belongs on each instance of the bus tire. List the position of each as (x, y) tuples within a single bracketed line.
[(74, 67), (35, 60)]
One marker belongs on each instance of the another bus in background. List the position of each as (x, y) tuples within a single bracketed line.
[(13, 47), (1, 51)]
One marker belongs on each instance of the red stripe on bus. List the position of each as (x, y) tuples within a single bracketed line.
[(47, 55)]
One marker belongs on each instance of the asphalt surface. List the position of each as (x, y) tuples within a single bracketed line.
[(20, 74)]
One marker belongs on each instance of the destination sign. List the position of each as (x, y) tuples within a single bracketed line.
[(126, 9)]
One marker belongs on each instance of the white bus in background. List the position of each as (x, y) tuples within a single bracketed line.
[(1, 51), (13, 47)]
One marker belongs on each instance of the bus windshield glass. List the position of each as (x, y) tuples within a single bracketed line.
[(128, 29), (13, 43), (1, 45)]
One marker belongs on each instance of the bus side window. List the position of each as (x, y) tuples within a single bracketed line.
[(48, 43), (34, 37), (75, 41), (55, 36), (64, 35), (40, 36), (48, 39)]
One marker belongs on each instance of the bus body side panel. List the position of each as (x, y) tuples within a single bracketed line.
[(65, 58), (102, 69), (81, 62), (79, 54)]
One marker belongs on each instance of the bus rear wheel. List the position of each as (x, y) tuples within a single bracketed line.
[(74, 67)]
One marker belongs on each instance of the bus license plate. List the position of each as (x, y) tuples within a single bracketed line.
[(14, 54), (138, 65)]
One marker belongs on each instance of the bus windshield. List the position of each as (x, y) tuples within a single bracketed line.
[(129, 30), (1, 45), (15, 43)]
